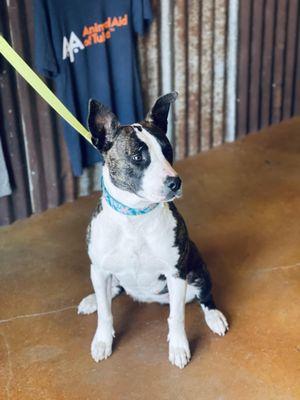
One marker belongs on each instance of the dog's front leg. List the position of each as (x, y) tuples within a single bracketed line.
[(101, 347), (179, 351)]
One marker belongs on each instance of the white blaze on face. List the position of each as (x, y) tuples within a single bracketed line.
[(153, 185)]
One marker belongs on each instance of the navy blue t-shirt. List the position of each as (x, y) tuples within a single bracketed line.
[(89, 49)]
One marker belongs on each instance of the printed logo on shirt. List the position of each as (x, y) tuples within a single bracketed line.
[(94, 34), (72, 46)]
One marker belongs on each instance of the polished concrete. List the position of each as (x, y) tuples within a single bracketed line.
[(242, 206)]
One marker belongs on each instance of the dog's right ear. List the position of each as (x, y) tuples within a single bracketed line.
[(102, 124)]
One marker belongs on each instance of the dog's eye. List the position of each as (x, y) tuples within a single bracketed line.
[(137, 158)]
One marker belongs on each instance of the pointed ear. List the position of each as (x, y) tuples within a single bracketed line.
[(158, 115), (102, 124)]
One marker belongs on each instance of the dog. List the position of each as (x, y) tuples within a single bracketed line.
[(137, 240)]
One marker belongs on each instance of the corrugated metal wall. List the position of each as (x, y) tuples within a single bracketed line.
[(235, 63)]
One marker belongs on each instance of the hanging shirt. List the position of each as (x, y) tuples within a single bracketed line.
[(5, 188), (89, 49)]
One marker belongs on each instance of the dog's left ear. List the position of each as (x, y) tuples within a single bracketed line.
[(158, 115), (103, 125)]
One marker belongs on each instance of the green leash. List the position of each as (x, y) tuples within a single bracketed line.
[(33, 79)]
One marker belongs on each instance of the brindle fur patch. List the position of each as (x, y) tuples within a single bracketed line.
[(161, 138), (191, 265), (124, 173)]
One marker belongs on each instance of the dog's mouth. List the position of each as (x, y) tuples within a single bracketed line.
[(172, 196), (178, 194), (163, 197)]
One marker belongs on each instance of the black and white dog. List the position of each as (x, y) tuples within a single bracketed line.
[(137, 240)]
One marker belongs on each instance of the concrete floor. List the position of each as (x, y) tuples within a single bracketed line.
[(241, 204)]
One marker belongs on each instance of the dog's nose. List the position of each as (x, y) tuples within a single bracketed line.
[(173, 183)]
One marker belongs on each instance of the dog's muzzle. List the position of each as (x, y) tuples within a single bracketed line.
[(173, 183)]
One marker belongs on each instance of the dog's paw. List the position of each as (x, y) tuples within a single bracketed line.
[(88, 305), (179, 356), (179, 351), (216, 321), (100, 349)]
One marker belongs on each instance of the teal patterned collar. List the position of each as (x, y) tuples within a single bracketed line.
[(122, 208)]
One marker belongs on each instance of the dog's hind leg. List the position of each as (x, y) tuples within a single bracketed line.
[(88, 304), (199, 282)]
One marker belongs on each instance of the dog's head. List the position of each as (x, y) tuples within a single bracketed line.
[(139, 157)]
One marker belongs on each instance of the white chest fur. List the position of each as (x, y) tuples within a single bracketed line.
[(135, 249)]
